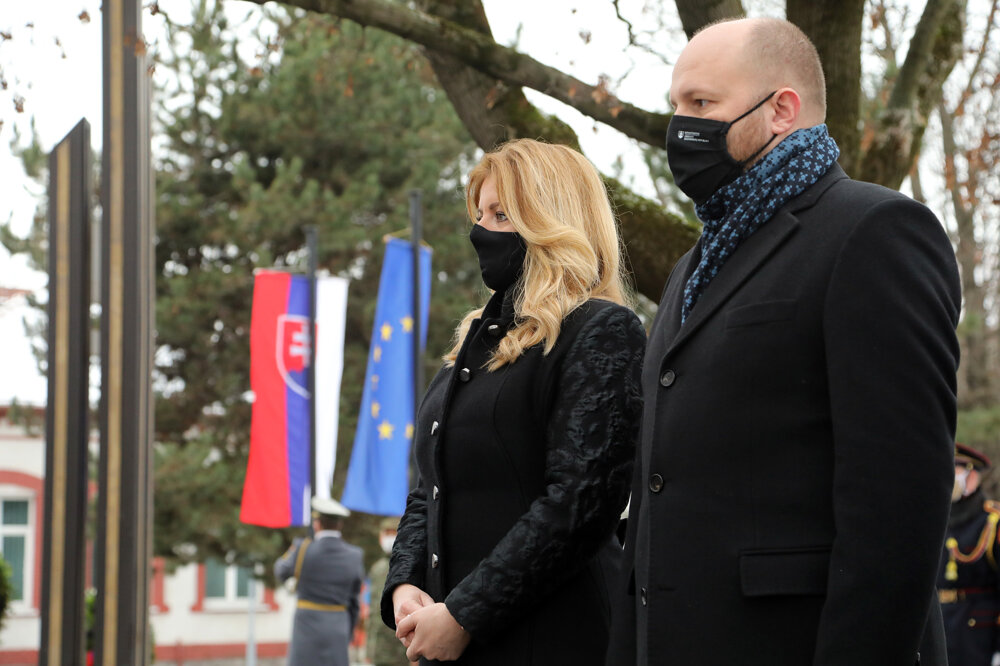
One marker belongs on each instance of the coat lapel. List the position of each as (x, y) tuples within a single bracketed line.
[(751, 255), (674, 295), (748, 258)]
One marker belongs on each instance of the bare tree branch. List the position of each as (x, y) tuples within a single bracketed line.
[(481, 52), (881, 16), (919, 50), (916, 184), (494, 112), (491, 110), (633, 40), (976, 368), (980, 56), (484, 79), (933, 52), (628, 24)]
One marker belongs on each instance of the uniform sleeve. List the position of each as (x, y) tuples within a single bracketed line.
[(591, 435), (376, 583), (408, 561), (284, 568), (892, 354)]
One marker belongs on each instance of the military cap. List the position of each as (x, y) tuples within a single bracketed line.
[(968, 456), (328, 506)]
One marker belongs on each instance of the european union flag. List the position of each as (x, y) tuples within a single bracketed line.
[(377, 479)]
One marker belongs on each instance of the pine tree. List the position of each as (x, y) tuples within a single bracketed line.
[(331, 127)]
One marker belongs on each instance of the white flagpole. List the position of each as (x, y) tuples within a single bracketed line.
[(251, 657)]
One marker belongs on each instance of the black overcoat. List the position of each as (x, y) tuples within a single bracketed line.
[(523, 473), (795, 467)]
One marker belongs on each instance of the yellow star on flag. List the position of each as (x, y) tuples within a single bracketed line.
[(407, 323), (386, 331), (374, 382), (376, 408), (409, 431), (377, 353), (385, 430)]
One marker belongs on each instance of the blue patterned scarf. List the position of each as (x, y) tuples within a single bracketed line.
[(740, 208)]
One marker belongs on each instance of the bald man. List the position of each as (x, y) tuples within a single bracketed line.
[(794, 473)]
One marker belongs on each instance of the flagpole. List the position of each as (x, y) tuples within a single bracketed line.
[(311, 243), (251, 651), (415, 240)]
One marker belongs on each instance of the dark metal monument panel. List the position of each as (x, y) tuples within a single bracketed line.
[(125, 508), (66, 431)]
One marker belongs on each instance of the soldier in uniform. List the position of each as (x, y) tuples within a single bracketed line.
[(383, 648), (969, 583), (328, 571)]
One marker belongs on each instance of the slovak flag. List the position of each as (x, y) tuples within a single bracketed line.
[(277, 490)]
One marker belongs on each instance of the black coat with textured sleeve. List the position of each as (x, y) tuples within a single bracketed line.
[(795, 464), (523, 473)]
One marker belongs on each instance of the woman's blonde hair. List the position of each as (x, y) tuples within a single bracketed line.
[(557, 202)]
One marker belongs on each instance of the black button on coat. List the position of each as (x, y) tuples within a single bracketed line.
[(532, 465), (806, 445)]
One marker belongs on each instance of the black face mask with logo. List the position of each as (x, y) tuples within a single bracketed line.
[(699, 159), (501, 256)]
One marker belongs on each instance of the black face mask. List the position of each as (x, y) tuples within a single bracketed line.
[(501, 256), (698, 156)]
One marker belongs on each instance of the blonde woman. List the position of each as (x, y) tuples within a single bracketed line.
[(525, 438)]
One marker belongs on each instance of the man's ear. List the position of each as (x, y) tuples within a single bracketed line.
[(786, 105)]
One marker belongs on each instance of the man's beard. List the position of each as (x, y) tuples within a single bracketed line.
[(747, 137)]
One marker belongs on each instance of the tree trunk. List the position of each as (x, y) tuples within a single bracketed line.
[(491, 110), (654, 239), (834, 26), (486, 93), (483, 81), (479, 51), (933, 51), (696, 14), (974, 372)]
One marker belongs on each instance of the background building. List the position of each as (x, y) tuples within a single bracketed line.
[(199, 613)]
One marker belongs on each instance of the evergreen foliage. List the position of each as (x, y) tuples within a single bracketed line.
[(330, 125), (333, 128), (6, 589)]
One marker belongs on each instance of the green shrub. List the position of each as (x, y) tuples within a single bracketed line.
[(6, 588)]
